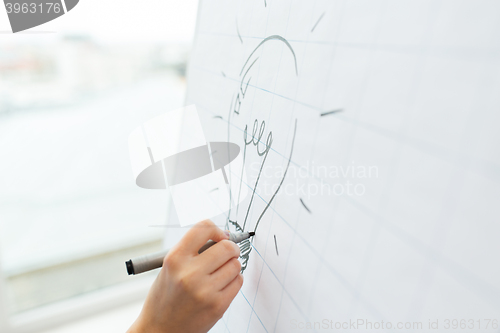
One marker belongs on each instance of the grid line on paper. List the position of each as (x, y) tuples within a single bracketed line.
[(485, 167), (298, 215), (336, 202), (432, 256), (284, 162), (395, 230), (398, 233), (466, 53), (311, 248)]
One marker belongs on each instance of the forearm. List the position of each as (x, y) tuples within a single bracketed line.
[(141, 326), (192, 290)]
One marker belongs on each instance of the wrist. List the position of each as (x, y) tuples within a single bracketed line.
[(136, 328), (142, 326)]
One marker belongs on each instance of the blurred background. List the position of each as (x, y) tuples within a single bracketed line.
[(71, 91)]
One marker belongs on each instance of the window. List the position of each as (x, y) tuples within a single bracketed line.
[(70, 212)]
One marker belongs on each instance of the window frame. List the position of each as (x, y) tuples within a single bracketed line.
[(4, 319), (68, 310)]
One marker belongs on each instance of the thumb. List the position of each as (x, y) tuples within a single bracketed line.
[(201, 233), (223, 234)]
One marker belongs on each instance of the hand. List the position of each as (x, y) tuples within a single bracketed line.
[(192, 291)]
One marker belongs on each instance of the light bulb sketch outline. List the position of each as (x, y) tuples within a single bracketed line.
[(262, 144)]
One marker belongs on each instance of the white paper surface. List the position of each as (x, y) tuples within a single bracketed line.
[(389, 209)]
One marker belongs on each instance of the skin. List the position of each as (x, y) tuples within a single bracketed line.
[(192, 291)]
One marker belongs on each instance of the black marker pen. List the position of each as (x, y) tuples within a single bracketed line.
[(155, 260)]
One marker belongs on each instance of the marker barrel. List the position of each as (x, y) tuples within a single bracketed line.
[(146, 262), (155, 260)]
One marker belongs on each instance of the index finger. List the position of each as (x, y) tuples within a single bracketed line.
[(199, 234)]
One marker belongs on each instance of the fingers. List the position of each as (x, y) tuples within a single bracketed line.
[(199, 234), (231, 290), (217, 255), (225, 274)]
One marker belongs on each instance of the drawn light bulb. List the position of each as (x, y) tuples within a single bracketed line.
[(28, 14), (193, 169), (259, 139)]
